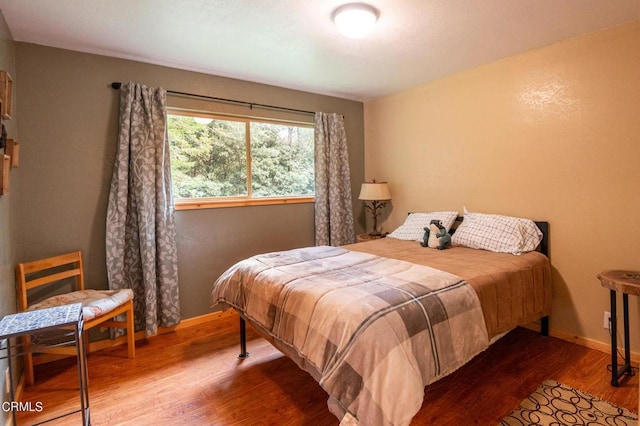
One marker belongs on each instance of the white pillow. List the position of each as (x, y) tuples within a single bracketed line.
[(413, 227), (501, 234)]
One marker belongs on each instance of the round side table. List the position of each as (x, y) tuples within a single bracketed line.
[(626, 282)]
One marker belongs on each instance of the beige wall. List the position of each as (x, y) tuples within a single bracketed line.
[(552, 134), (9, 202), (69, 119)]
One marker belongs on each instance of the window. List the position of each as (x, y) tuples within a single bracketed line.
[(223, 161)]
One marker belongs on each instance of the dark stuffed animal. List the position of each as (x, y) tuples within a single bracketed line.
[(444, 238), (436, 236), (425, 239)]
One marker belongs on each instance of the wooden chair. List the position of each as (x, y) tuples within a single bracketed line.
[(100, 307)]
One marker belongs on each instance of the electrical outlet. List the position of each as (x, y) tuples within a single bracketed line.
[(607, 320), (7, 381)]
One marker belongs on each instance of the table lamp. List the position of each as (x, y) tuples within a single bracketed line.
[(378, 194)]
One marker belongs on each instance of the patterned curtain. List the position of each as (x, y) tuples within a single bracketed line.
[(333, 208), (140, 243)]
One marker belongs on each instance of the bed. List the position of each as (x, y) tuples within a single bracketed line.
[(376, 322)]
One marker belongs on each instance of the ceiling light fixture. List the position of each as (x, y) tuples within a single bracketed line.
[(355, 20)]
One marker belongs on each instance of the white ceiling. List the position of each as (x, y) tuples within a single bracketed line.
[(294, 44)]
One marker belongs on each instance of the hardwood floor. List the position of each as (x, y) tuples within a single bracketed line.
[(192, 377)]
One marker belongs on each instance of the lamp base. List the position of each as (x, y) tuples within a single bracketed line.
[(375, 233)]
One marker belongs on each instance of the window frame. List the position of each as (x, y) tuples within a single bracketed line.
[(240, 200)]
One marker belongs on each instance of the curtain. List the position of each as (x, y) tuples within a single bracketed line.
[(333, 208), (140, 240)]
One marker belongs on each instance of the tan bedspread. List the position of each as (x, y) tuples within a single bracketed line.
[(513, 290), (373, 331)]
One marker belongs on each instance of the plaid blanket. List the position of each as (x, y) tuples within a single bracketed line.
[(372, 331)]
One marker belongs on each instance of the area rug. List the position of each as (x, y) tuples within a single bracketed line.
[(556, 404)]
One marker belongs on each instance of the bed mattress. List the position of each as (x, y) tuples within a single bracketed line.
[(513, 290)]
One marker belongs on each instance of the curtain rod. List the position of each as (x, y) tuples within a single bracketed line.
[(116, 85)]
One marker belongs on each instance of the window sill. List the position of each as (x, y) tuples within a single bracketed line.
[(204, 203)]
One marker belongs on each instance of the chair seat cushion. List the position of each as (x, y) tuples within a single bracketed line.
[(95, 303)]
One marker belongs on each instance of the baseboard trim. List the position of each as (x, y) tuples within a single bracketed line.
[(190, 322), (582, 341)]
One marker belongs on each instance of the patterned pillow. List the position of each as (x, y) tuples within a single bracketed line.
[(501, 234), (413, 227)]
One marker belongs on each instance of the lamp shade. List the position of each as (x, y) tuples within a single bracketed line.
[(374, 191)]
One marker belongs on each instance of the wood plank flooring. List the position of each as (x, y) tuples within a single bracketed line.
[(193, 377)]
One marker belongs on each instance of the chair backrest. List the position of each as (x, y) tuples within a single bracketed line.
[(34, 274)]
